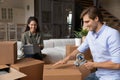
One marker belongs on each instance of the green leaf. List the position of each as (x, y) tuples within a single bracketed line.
[(80, 34), (77, 34), (84, 32)]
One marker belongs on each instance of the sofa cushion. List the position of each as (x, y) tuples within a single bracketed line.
[(19, 52), (54, 54), (48, 43), (55, 49)]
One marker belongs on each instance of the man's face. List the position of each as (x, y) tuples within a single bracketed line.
[(89, 23)]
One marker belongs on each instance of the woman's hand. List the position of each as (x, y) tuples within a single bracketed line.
[(41, 47)]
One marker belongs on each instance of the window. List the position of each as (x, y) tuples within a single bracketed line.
[(10, 13), (6, 13)]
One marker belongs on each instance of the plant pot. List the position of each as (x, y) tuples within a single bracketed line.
[(77, 41), (83, 39)]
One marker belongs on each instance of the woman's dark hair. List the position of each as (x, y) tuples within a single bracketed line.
[(32, 18), (92, 12)]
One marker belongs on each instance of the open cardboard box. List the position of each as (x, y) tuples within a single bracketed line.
[(11, 75), (65, 72), (31, 67)]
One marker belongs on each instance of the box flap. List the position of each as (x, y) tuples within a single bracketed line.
[(14, 74), (3, 66)]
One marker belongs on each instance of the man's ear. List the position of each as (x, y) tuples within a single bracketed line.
[(96, 19)]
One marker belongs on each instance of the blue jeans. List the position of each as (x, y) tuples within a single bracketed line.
[(92, 76)]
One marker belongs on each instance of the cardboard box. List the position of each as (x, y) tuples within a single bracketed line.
[(61, 74), (31, 67), (71, 48), (88, 55), (4, 69), (8, 52), (3, 66), (64, 72), (11, 75)]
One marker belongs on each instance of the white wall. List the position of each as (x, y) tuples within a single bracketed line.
[(21, 13), (19, 16), (18, 10), (12, 3), (113, 6), (29, 12)]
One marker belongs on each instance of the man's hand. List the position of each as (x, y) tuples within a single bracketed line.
[(89, 65), (73, 54), (64, 61)]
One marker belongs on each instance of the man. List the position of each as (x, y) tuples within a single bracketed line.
[(104, 43)]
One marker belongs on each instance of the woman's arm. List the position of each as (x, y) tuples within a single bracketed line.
[(40, 42), (22, 40)]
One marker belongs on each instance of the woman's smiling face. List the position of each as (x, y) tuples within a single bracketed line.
[(33, 26)]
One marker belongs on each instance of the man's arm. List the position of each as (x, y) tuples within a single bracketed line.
[(71, 56), (106, 65)]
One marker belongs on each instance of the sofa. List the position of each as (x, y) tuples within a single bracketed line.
[(55, 49)]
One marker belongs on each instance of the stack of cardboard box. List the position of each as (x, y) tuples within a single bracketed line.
[(32, 69), (8, 56), (25, 69)]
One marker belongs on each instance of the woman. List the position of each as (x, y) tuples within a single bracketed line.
[(32, 35)]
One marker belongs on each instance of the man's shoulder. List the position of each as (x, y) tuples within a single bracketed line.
[(110, 28), (112, 31)]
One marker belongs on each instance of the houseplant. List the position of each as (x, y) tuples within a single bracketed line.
[(79, 36), (81, 33), (84, 33)]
